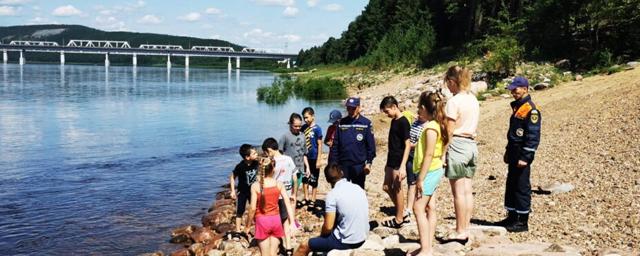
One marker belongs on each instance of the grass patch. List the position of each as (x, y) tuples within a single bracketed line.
[(285, 87)]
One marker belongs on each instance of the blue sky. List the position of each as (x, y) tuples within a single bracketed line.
[(265, 24)]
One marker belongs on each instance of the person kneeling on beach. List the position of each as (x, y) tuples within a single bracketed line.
[(264, 206), (346, 218)]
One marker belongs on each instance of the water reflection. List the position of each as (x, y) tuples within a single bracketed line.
[(93, 159)]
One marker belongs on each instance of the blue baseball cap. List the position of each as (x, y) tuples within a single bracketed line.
[(334, 116), (352, 102), (518, 82)]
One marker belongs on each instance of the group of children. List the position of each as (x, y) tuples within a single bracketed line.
[(416, 151), (270, 182)]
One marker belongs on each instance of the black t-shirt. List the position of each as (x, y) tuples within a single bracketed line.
[(398, 134), (246, 174)]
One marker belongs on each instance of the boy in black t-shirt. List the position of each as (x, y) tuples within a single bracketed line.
[(398, 153), (246, 171)]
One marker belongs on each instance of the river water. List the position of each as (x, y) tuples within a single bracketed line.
[(97, 161)]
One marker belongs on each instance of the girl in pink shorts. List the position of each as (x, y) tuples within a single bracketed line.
[(264, 207)]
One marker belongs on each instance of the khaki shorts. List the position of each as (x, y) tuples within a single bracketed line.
[(462, 158)]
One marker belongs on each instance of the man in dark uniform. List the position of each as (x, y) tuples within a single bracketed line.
[(523, 139), (353, 145)]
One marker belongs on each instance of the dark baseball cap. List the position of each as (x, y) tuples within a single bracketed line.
[(352, 102), (334, 116), (518, 82)]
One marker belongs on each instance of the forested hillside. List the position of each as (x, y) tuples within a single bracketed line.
[(590, 33), (63, 33)]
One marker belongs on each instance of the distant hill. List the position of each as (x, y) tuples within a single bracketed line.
[(63, 33)]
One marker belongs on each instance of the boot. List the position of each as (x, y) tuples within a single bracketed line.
[(520, 225), (511, 217)]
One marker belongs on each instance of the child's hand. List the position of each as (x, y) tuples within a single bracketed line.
[(419, 189), (233, 195)]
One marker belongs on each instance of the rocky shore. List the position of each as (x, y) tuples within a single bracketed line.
[(586, 180)]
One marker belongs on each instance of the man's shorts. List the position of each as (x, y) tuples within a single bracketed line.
[(328, 243), (268, 225), (462, 157), (312, 180), (241, 203), (432, 181)]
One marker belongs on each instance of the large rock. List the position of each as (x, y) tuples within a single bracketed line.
[(366, 252), (158, 253), (556, 188), (488, 234), (391, 241), (372, 244), (518, 249), (633, 64), (216, 217), (384, 231), (216, 253), (478, 87), (222, 202), (182, 252), (541, 86), (203, 235), (410, 232), (339, 253), (183, 230), (222, 228), (197, 249)]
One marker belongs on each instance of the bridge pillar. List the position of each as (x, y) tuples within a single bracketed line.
[(22, 60), (288, 63), (168, 61), (135, 60), (229, 64), (106, 60), (5, 58), (186, 61), (238, 62), (61, 57)]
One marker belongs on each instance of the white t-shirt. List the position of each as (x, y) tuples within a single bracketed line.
[(465, 110), (284, 171)]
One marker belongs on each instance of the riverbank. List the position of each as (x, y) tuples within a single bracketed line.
[(589, 140)]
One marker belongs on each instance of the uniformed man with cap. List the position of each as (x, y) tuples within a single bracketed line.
[(354, 147), (523, 139)]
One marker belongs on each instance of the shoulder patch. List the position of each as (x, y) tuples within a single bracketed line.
[(535, 116), (523, 111)]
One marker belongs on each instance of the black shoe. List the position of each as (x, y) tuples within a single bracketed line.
[(520, 225), (511, 217)]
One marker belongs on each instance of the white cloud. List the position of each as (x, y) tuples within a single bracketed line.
[(276, 2), (8, 10), (191, 17), (256, 32), (111, 23), (67, 10), (291, 38), (150, 19), (215, 37), (333, 7), (14, 2), (290, 11), (214, 11), (312, 3)]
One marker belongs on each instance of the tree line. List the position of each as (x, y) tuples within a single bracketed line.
[(590, 33)]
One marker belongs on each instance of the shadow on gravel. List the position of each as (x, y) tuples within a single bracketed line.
[(389, 211)]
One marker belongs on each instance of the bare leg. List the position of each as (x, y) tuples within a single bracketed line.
[(420, 210), (238, 223), (432, 217), (387, 184), (303, 249), (399, 196), (275, 244), (468, 185), (265, 246), (314, 193), (287, 234), (411, 196), (459, 203)]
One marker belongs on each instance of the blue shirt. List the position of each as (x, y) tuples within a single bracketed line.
[(312, 134), (353, 142), (351, 206)]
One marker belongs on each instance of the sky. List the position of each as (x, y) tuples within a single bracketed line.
[(279, 25)]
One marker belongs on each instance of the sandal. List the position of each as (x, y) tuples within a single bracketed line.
[(392, 223)]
